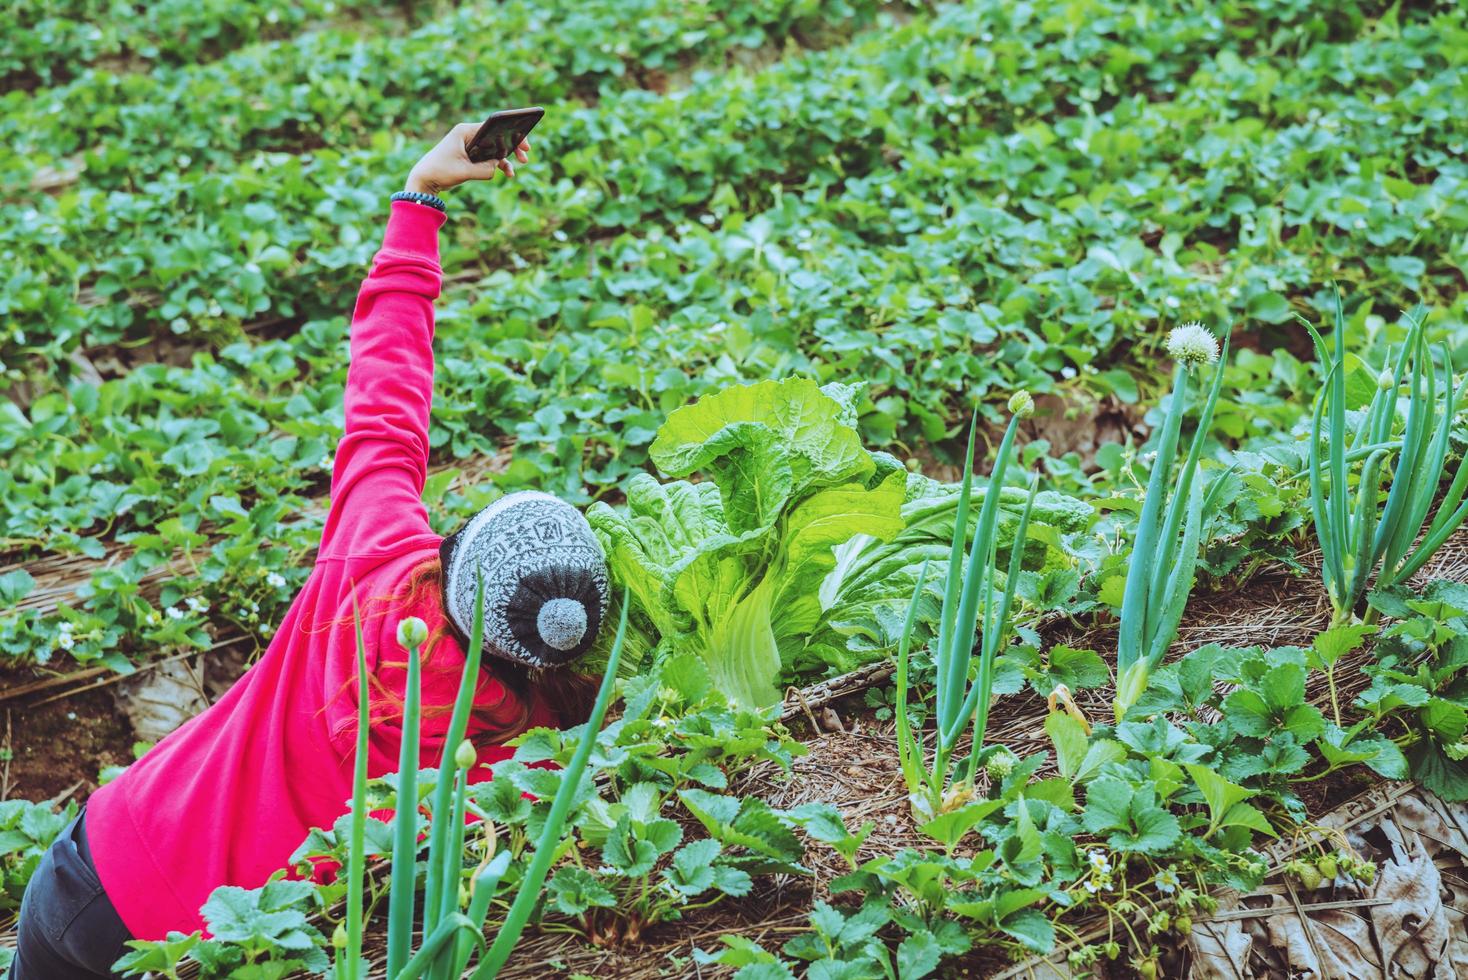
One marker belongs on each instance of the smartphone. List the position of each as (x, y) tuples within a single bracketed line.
[(502, 132)]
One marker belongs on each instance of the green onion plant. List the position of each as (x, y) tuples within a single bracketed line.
[(450, 936), (963, 703), (1368, 543), (1165, 549), (349, 964)]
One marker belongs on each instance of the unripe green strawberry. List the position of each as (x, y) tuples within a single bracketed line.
[(1184, 925), (1309, 876), (1111, 948), (1327, 865), (1147, 969)]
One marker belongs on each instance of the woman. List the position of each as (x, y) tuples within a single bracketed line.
[(229, 796)]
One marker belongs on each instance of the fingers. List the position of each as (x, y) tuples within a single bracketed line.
[(522, 152), (482, 171), (507, 167)]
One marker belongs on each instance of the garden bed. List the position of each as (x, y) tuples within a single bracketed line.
[(852, 763)]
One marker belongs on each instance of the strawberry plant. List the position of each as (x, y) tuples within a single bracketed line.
[(1419, 681), (26, 830), (51, 42), (257, 932)]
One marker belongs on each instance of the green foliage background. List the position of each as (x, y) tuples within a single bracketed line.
[(944, 200)]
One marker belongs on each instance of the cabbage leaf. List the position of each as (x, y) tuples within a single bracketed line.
[(731, 568)]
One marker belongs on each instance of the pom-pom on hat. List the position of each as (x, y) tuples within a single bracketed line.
[(545, 579)]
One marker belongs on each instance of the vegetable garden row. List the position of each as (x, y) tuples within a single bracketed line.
[(929, 223), (50, 42), (583, 367)]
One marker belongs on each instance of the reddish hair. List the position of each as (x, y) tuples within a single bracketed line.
[(568, 694)]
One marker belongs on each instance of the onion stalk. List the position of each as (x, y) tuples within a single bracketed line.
[(1160, 573), (1368, 544), (970, 604)]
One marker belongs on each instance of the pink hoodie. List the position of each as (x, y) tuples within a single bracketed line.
[(229, 796)]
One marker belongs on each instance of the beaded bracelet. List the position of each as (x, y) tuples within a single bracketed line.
[(418, 197)]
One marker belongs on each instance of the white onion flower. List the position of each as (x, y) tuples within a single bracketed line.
[(1192, 345), (1001, 764)]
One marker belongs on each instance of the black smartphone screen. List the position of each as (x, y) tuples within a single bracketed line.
[(502, 132)]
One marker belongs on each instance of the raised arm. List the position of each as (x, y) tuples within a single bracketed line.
[(382, 459)]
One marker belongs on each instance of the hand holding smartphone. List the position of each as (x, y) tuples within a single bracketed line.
[(471, 152), (501, 133)]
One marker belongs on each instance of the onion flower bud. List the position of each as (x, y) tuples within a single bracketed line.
[(412, 632), (1021, 404)]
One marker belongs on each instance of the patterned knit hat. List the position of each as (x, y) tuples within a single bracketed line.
[(545, 579)]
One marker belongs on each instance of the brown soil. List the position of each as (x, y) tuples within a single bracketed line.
[(58, 748), (851, 763)]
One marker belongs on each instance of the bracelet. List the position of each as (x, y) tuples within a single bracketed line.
[(418, 197)]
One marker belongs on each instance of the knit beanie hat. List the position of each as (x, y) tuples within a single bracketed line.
[(545, 579)]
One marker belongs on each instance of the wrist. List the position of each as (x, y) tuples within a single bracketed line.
[(421, 185), (420, 197)]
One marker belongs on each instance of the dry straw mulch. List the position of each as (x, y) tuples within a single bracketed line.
[(851, 762)]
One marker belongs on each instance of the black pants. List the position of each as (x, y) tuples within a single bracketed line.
[(68, 927)]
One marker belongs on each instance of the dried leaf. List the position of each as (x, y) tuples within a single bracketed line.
[(1221, 951), (1413, 929)]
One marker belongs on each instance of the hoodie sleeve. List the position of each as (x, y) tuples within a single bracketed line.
[(382, 459)]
